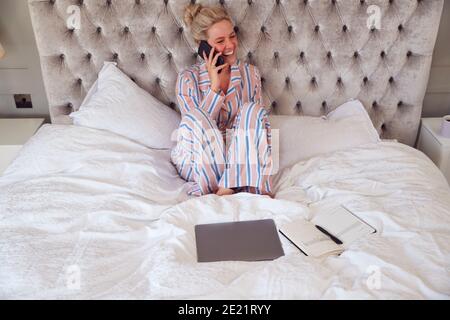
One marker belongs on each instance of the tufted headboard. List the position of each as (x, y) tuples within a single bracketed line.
[(313, 54)]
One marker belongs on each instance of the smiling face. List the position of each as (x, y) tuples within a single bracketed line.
[(222, 37)]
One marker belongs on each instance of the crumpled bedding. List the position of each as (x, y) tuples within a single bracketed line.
[(87, 214)]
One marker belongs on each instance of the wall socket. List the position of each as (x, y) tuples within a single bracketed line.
[(23, 101)]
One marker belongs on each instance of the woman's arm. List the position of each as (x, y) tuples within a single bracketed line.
[(257, 92), (188, 96)]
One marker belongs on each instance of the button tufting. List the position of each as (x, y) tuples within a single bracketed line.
[(108, 27)]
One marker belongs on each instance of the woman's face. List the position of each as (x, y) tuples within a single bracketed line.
[(222, 37)]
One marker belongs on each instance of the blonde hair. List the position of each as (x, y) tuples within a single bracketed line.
[(200, 18)]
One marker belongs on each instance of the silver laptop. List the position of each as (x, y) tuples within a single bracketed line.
[(253, 240)]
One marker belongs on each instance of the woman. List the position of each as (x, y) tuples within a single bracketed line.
[(223, 142)]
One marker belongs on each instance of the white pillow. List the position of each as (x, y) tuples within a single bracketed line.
[(115, 103), (303, 137)]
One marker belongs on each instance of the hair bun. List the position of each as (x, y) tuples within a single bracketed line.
[(190, 12)]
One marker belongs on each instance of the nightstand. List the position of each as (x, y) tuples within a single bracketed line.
[(435, 146), (13, 135)]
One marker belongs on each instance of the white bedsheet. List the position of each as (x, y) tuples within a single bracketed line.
[(88, 214)]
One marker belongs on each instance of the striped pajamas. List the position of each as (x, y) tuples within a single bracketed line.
[(223, 140)]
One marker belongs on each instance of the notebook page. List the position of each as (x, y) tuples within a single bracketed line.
[(309, 239), (343, 224)]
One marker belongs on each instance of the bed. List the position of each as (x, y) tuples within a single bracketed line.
[(89, 214)]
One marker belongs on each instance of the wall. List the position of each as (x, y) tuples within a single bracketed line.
[(437, 99), (20, 69)]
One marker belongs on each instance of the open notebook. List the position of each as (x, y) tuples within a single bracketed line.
[(327, 233)]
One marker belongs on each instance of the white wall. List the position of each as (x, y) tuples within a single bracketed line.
[(437, 99), (20, 69)]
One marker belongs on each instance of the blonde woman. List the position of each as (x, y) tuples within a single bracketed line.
[(223, 142)]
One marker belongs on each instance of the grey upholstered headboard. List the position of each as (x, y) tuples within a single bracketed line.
[(313, 54)]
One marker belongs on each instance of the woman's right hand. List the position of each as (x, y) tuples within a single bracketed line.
[(213, 71)]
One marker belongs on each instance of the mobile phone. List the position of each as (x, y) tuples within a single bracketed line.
[(204, 47)]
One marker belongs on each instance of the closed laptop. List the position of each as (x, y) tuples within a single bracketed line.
[(253, 240)]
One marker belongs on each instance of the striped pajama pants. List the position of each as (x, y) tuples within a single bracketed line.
[(238, 158)]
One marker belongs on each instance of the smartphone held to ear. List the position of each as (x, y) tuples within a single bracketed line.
[(204, 47)]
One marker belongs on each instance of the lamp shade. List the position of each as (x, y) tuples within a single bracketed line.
[(2, 51)]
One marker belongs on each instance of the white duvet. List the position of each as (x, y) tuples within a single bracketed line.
[(88, 214)]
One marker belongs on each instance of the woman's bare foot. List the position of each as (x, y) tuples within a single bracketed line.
[(224, 192)]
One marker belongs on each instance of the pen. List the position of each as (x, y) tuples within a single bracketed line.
[(329, 234)]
